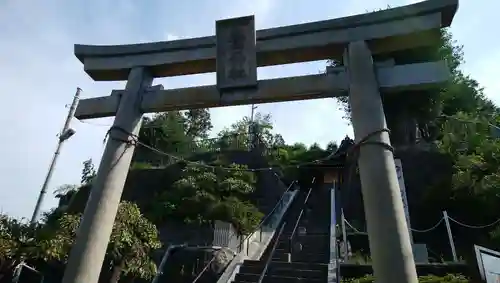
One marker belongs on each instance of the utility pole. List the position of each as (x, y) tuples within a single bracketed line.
[(251, 128), (253, 111), (390, 246), (87, 255), (64, 135)]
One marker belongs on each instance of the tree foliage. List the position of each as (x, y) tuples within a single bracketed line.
[(206, 194), (239, 134), (176, 131), (289, 157), (464, 127), (88, 172), (132, 240), (17, 238)]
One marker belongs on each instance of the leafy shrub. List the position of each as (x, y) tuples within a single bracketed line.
[(205, 194), (450, 278), (140, 165)]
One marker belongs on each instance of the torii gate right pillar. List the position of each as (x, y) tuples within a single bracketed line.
[(390, 246)]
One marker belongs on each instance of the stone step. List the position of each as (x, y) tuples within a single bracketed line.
[(289, 272), (308, 237), (296, 247), (309, 229), (243, 277), (303, 257), (305, 241), (297, 251), (287, 265)]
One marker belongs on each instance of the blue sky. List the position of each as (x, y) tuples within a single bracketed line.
[(39, 73)]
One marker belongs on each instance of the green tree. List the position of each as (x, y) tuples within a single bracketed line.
[(206, 194), (167, 132), (198, 123), (461, 94), (88, 172), (65, 189), (17, 242), (331, 147), (176, 131), (65, 192), (288, 157), (238, 134), (132, 240)]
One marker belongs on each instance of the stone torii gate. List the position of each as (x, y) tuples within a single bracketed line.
[(235, 53)]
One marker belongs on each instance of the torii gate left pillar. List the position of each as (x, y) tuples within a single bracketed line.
[(88, 253)]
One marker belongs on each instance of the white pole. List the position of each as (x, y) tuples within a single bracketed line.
[(251, 128), (450, 236), (53, 163), (344, 236)]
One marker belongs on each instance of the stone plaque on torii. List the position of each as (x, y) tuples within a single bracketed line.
[(235, 53)]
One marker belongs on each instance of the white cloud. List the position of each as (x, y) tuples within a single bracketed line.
[(170, 37)]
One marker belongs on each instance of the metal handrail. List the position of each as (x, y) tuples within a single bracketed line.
[(337, 264), (290, 239), (159, 271), (248, 236), (18, 270), (270, 257), (267, 216)]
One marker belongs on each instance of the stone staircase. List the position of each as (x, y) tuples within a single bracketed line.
[(310, 247)]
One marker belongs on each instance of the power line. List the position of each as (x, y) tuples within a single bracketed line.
[(135, 140)]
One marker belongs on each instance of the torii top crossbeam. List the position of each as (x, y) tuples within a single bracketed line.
[(385, 31)]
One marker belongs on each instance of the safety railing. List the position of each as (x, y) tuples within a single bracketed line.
[(267, 219), (299, 218), (337, 262), (18, 271), (271, 254), (159, 270), (266, 223)]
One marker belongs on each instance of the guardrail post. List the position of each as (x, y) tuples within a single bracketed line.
[(248, 246), (450, 236)]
